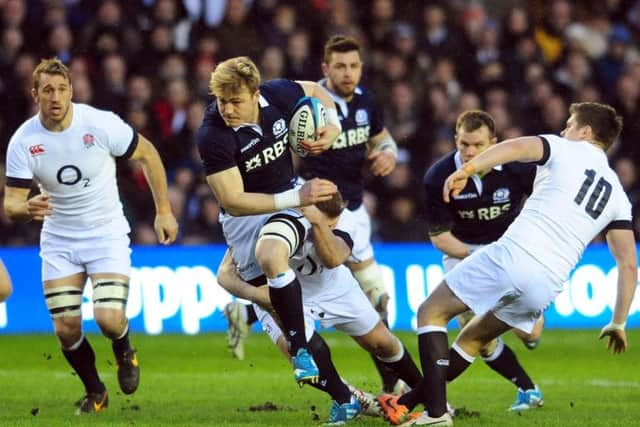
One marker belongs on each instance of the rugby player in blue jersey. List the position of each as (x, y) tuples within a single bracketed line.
[(244, 148), (364, 140)]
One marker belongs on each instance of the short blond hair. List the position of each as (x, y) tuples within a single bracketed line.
[(234, 74), (50, 66)]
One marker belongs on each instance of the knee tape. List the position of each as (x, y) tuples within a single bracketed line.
[(285, 228), (110, 293), (63, 301)]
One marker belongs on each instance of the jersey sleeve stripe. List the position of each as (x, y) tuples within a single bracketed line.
[(19, 182), (132, 145), (546, 151), (344, 236), (619, 225)]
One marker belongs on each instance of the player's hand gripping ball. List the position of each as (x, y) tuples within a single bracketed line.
[(308, 115)]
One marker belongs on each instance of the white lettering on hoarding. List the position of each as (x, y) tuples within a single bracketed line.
[(589, 292), (192, 293), (159, 293)]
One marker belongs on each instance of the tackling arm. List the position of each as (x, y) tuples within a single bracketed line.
[(331, 249), (229, 279)]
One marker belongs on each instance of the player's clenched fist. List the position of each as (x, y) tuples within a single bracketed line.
[(166, 228), (316, 190)]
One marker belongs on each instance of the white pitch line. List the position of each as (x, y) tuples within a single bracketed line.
[(593, 382)]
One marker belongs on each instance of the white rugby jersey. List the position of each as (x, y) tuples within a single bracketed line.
[(575, 196), (318, 282), (76, 168)]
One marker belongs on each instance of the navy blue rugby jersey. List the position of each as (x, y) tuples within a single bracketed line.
[(261, 153), (361, 119), (484, 209)]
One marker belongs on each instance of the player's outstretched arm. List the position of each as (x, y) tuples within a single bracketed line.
[(331, 249), (326, 135), (383, 152), (623, 248), (165, 223), (229, 279), (228, 187), (524, 149)]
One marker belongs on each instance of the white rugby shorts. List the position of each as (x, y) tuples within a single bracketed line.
[(506, 280), (64, 256), (351, 314)]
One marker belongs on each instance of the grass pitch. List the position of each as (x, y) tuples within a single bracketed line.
[(191, 380)]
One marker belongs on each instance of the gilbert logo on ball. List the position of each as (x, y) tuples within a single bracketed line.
[(308, 115)]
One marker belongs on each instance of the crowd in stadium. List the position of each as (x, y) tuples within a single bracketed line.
[(426, 61)]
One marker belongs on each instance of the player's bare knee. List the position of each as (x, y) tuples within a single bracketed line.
[(488, 349), (112, 322), (272, 257), (68, 329), (429, 314), (109, 304), (279, 239)]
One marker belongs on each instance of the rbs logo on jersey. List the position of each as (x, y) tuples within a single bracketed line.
[(266, 156)]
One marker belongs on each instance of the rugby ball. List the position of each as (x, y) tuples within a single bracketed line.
[(308, 115)]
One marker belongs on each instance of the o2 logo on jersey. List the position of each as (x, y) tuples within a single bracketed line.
[(71, 175)]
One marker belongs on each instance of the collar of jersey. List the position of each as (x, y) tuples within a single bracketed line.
[(340, 101), (262, 103)]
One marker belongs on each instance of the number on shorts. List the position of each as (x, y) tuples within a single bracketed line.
[(600, 194)]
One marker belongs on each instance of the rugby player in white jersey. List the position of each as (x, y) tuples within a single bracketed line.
[(243, 146), (330, 295), (508, 283), (478, 216), (70, 149)]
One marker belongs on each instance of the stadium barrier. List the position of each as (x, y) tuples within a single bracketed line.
[(174, 290)]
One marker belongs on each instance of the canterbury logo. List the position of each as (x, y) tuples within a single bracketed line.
[(35, 150)]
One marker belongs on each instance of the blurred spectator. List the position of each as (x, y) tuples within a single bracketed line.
[(272, 63), (550, 34), (237, 34), (402, 223), (300, 64)]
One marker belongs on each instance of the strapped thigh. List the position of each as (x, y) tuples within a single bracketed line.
[(63, 301), (285, 228), (110, 293)]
